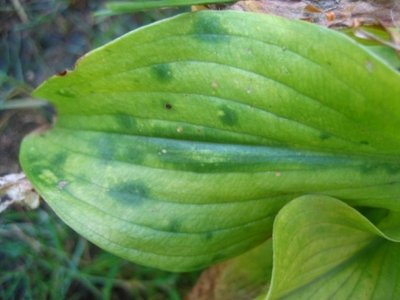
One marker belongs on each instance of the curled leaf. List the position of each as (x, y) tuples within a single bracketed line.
[(324, 249)]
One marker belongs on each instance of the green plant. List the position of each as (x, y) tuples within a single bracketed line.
[(192, 140), (121, 7), (42, 259)]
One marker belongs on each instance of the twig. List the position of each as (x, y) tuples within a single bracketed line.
[(22, 103), (20, 11)]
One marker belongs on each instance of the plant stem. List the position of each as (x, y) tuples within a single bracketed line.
[(128, 6)]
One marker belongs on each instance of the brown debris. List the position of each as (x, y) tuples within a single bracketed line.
[(225, 281), (330, 13), (337, 14), (205, 289), (15, 188), (62, 73)]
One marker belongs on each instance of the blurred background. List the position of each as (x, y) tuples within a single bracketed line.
[(40, 257)]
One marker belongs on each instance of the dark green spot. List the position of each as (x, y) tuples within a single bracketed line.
[(228, 116), (389, 168), (208, 235), (207, 28), (110, 148), (58, 160), (168, 106), (392, 168), (174, 226), (163, 72), (324, 135), (364, 143), (126, 122), (129, 193), (130, 155), (368, 168)]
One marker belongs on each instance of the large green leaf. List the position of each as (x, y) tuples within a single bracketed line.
[(324, 249), (177, 144)]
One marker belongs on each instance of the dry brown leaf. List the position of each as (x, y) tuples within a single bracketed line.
[(205, 288), (336, 14), (331, 13), (220, 282), (241, 278)]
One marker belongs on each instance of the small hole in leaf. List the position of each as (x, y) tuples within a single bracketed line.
[(62, 73)]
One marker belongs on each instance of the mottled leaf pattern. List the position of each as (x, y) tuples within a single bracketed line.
[(177, 144)]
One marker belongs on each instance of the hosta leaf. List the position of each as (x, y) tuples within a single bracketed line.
[(177, 144), (388, 54), (324, 249)]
